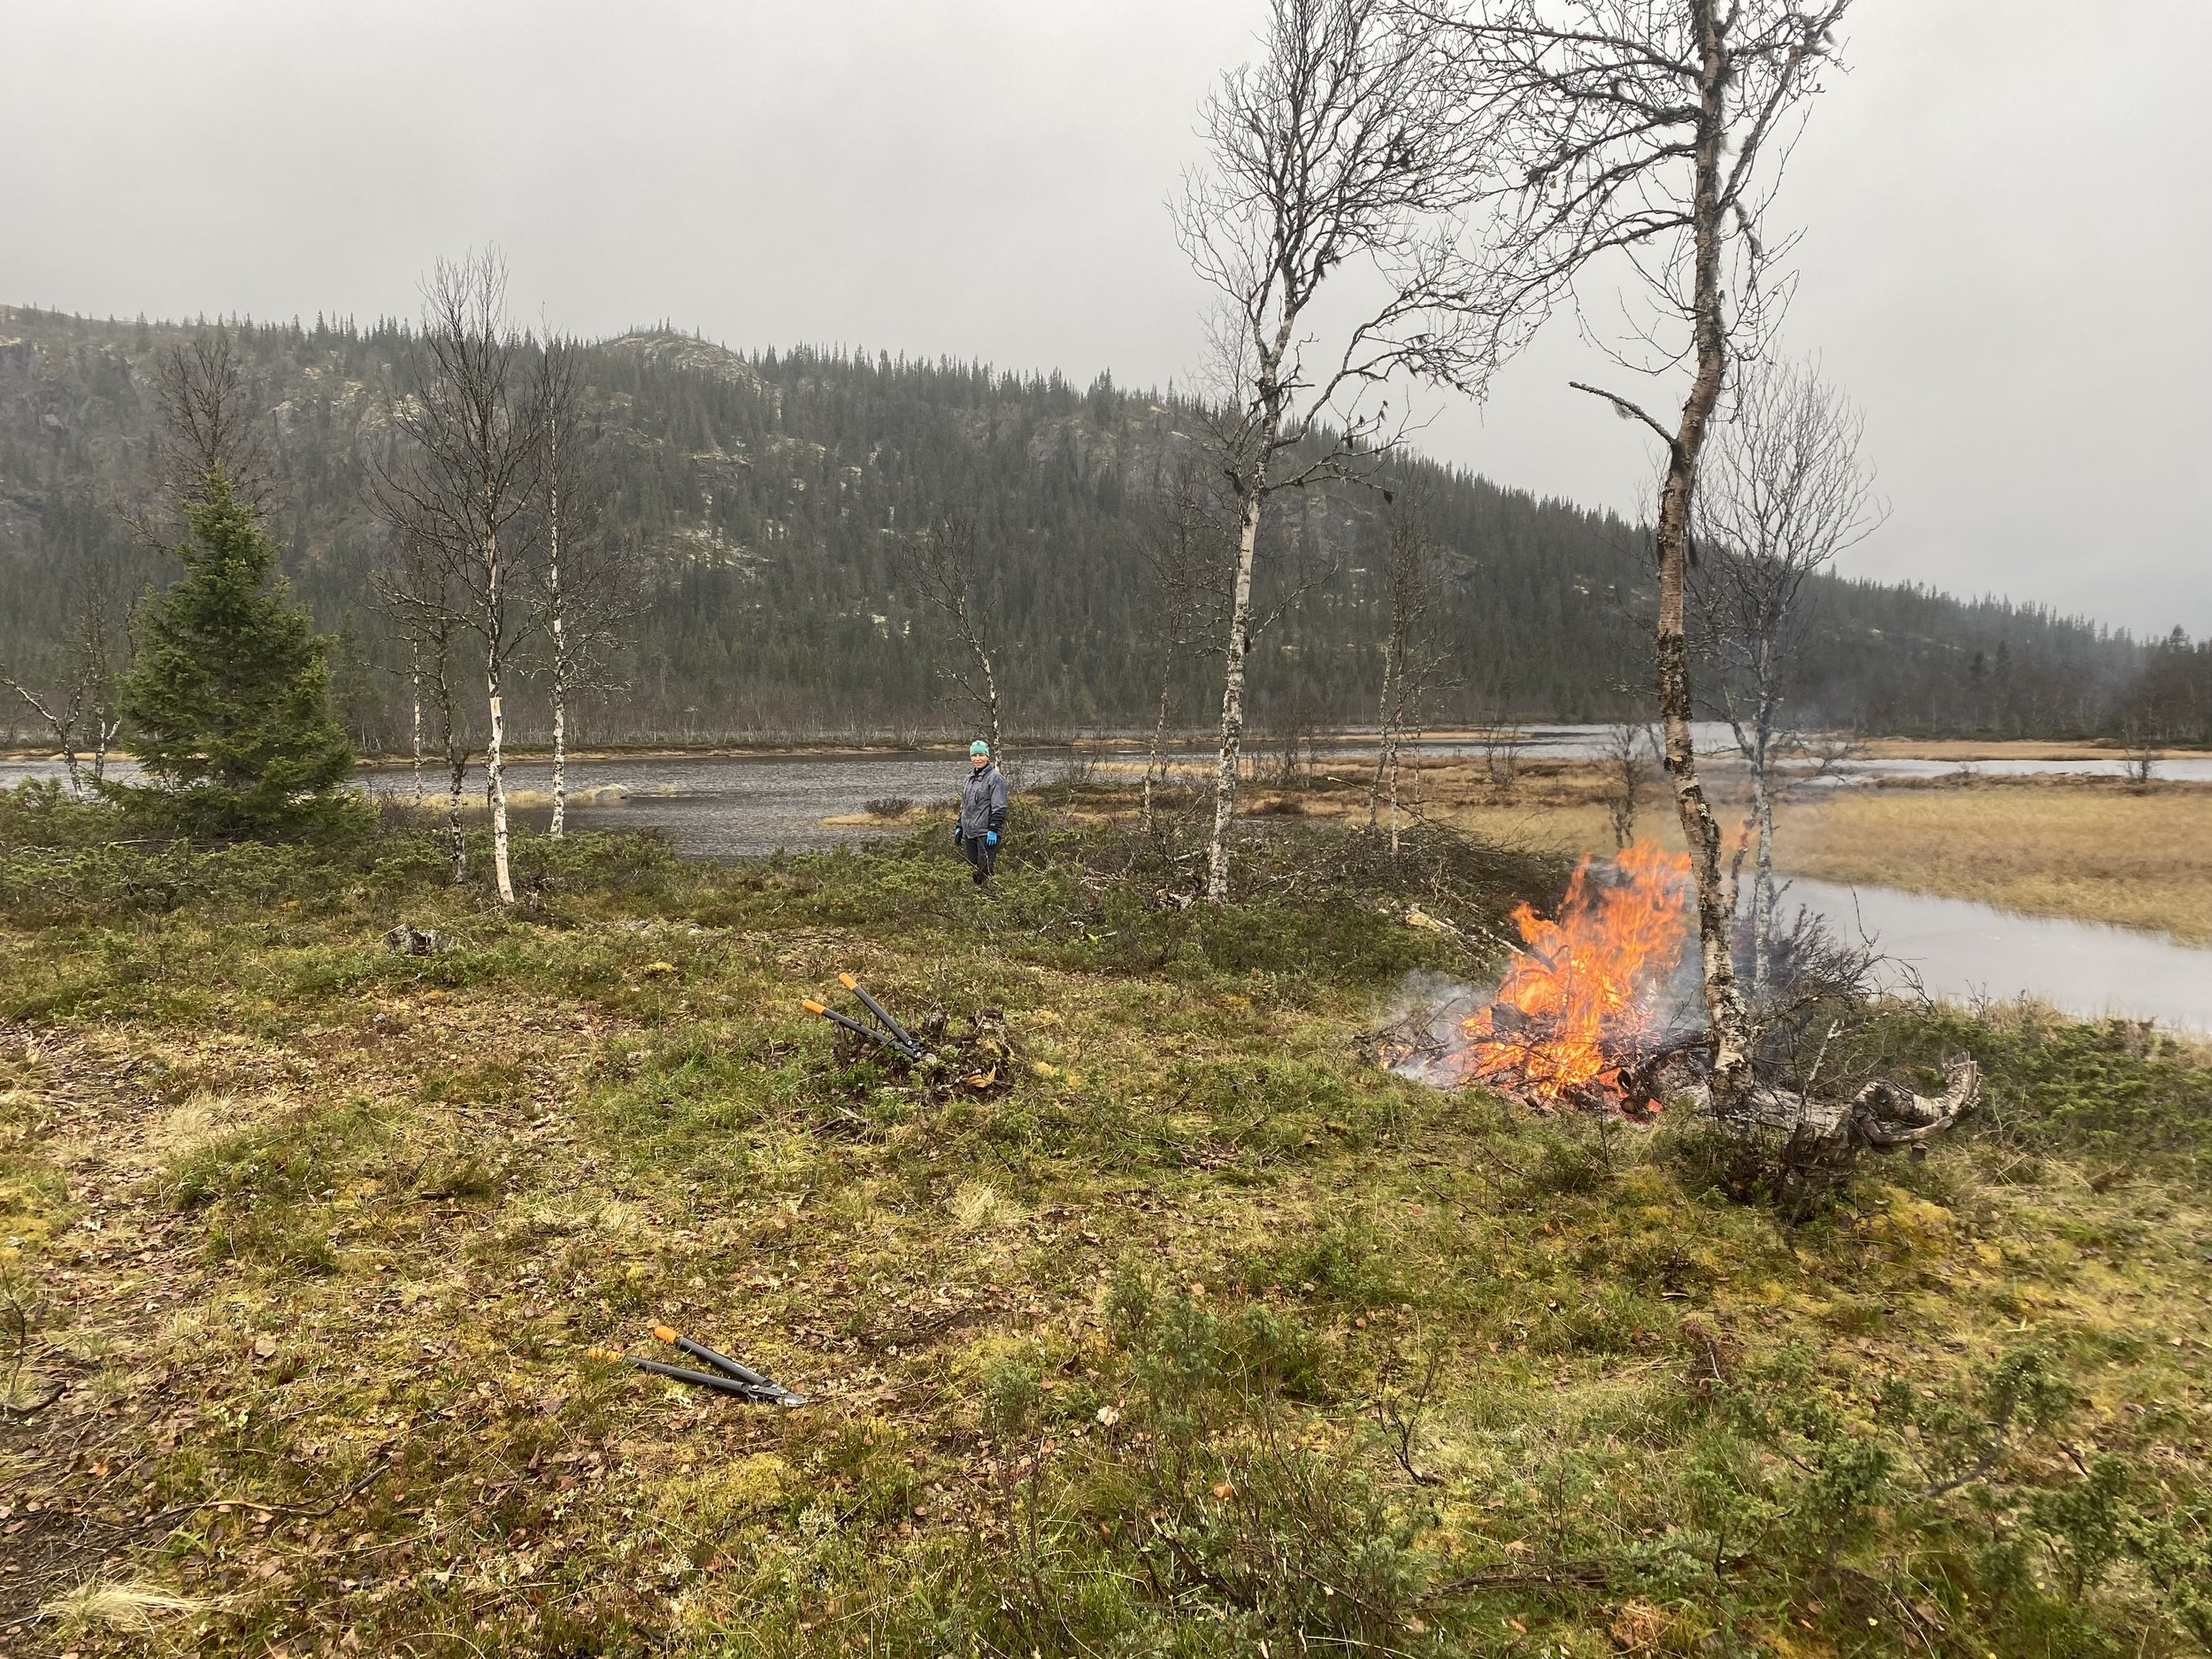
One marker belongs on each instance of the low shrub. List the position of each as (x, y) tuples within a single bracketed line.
[(2119, 1089)]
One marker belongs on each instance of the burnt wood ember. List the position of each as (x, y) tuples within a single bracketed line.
[(1642, 1076), (1507, 1021)]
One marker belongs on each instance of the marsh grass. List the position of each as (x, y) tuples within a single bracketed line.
[(1205, 1334), (2095, 850)]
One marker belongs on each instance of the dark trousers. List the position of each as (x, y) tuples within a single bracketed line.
[(981, 855)]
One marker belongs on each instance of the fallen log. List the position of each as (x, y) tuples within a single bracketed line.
[(1881, 1116), (1890, 1115)]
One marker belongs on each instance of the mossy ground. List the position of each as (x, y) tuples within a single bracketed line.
[(1206, 1338)]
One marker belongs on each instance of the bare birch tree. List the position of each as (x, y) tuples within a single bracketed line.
[(210, 423), (1780, 492), (1185, 552), (464, 478), (414, 716), (1626, 759), (1499, 745), (61, 708), (208, 428), (1652, 132), (77, 695), (1414, 662), (940, 567), (583, 596), (1338, 153), (422, 594)]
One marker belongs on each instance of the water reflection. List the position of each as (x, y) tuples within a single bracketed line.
[(744, 805), (1963, 951)]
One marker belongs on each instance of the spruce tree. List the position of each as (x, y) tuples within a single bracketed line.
[(228, 695)]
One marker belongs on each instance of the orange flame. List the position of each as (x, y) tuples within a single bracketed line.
[(1577, 1004)]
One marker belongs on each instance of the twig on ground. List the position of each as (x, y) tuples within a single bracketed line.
[(1586, 1574), (36, 1406), (294, 1511)]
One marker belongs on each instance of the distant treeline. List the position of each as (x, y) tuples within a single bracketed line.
[(764, 498)]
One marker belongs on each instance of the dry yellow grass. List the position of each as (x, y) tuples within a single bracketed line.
[(2092, 851), (1997, 749), (1578, 825), (1552, 803)]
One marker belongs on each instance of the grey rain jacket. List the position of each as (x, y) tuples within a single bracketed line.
[(982, 802)]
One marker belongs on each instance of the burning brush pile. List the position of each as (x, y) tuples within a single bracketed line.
[(1591, 1009), (1598, 1009)]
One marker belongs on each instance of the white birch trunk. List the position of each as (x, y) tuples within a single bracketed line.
[(63, 734), (1401, 716), (1726, 1017), (456, 771), (1233, 703), (561, 672), (1382, 733), (1159, 733), (1762, 873), (560, 760), (562, 669), (414, 700), (104, 734), (495, 766), (495, 792), (1394, 801)]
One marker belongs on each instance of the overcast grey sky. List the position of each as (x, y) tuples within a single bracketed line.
[(2008, 206)]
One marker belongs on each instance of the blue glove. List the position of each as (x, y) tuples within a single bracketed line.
[(990, 838), (957, 837)]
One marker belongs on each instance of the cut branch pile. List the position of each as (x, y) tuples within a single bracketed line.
[(954, 1056), (1800, 1129)]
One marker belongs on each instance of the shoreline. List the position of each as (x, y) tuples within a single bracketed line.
[(1960, 749)]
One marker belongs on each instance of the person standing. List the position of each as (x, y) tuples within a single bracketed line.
[(982, 819)]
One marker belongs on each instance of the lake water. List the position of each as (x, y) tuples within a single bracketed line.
[(2181, 769), (709, 806), (733, 805), (741, 806), (1965, 952)]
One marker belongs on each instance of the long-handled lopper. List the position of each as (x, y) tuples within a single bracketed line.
[(890, 1035), (905, 1037), (723, 1363), (728, 1376), (873, 1035)]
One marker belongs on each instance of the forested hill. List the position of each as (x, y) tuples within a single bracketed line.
[(766, 497)]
